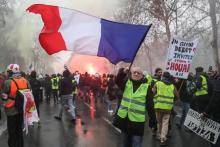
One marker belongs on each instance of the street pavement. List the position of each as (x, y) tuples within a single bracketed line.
[(93, 128)]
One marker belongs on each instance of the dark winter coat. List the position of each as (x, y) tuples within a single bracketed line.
[(35, 87), (213, 107), (66, 86)]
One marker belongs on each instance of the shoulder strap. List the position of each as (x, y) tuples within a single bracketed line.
[(15, 83), (12, 98)]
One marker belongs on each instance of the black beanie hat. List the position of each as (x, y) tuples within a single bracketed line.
[(167, 75), (199, 69)]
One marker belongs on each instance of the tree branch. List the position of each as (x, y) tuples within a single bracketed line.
[(207, 13), (194, 25), (200, 32)]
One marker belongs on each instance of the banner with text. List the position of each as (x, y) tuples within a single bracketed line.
[(180, 55), (206, 128)]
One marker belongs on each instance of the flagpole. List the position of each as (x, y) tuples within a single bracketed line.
[(139, 47)]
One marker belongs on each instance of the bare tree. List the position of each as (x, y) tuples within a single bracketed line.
[(212, 4)]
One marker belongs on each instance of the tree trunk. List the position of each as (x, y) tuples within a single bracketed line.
[(147, 50), (212, 4), (167, 29)]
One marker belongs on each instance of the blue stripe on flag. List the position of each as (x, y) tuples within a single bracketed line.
[(119, 41)]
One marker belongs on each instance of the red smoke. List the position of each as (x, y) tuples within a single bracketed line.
[(90, 64)]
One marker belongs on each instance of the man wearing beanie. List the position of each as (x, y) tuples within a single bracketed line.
[(201, 95), (164, 93)]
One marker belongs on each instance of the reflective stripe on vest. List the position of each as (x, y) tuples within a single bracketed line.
[(204, 89), (53, 82), (164, 97), (133, 104), (155, 80)]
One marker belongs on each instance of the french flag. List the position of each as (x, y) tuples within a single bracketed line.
[(67, 29)]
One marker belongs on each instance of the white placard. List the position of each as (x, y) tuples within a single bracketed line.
[(206, 128), (180, 55)]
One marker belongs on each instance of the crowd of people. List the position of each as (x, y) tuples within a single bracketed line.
[(135, 93), (200, 92)]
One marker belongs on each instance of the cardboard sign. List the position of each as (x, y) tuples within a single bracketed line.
[(179, 58), (206, 128)]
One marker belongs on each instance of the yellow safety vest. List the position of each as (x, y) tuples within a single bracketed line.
[(164, 97), (133, 104), (204, 89), (55, 82)]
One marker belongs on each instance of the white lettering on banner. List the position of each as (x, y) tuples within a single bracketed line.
[(180, 56), (30, 111), (206, 128)]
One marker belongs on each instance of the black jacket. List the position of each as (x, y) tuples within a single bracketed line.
[(35, 87), (66, 86), (213, 107)]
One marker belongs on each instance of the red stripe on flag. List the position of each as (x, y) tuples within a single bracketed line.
[(50, 39)]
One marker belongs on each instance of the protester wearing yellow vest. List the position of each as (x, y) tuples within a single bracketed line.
[(201, 95), (157, 76), (74, 82), (55, 86), (137, 98), (164, 92), (155, 79)]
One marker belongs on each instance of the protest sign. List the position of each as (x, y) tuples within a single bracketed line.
[(179, 58), (204, 127)]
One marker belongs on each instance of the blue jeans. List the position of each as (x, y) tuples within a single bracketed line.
[(67, 101), (132, 141), (185, 108)]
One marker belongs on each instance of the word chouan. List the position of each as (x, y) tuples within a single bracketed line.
[(179, 67)]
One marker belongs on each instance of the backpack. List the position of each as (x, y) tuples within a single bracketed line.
[(19, 99)]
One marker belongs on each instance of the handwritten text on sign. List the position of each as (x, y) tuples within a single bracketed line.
[(180, 55), (206, 128)]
